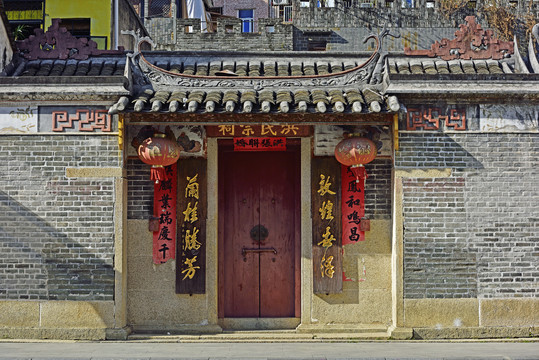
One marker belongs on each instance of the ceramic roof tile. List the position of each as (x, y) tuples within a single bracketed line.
[(215, 66), (266, 95), (201, 69), (254, 68), (403, 67), (58, 68), (248, 95), (108, 69), (454, 67), (188, 68), (442, 67), (229, 65), (71, 67), (31, 68), (95, 68), (284, 95), (494, 67), (296, 68), (429, 67), (119, 68), (45, 68), (336, 66), (283, 68), (481, 67), (416, 67), (82, 68), (241, 68), (308, 68), (270, 68), (322, 68), (468, 66)]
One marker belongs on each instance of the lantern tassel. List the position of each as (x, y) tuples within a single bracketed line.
[(157, 173), (359, 172)]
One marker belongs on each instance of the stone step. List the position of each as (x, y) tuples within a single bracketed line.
[(342, 328), (262, 336)]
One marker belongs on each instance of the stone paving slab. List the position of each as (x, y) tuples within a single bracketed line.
[(79, 350)]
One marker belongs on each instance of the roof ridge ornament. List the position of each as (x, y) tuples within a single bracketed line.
[(157, 73), (139, 40), (58, 43), (471, 43)]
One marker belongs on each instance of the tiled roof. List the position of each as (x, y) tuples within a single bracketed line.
[(429, 66), (115, 66), (255, 67), (227, 82), (97, 66), (264, 101)]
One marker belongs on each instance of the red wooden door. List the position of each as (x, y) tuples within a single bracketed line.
[(259, 192)]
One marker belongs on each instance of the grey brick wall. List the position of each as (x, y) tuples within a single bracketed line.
[(56, 233), (474, 233), (438, 262), (227, 37), (139, 190), (378, 189)]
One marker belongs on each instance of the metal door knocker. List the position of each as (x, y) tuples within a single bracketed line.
[(259, 233)]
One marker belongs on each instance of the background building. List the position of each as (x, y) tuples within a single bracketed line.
[(98, 20)]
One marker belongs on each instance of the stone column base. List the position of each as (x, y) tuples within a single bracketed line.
[(118, 333)]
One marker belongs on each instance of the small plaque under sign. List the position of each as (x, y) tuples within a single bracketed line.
[(259, 144)]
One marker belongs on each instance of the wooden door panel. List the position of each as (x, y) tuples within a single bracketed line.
[(277, 283), (241, 208)]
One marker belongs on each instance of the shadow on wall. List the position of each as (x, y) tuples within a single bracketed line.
[(316, 40), (433, 151), (39, 261)]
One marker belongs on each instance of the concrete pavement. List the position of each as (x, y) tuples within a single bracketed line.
[(38, 350)]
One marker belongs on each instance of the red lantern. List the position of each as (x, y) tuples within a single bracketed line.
[(356, 152), (158, 151)]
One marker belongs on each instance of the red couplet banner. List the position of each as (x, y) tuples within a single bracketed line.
[(164, 209), (352, 206)]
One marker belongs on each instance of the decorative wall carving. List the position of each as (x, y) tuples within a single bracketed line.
[(471, 42), (18, 120), (435, 118), (58, 43)]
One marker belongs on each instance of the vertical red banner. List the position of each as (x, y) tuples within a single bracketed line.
[(164, 209), (352, 206)]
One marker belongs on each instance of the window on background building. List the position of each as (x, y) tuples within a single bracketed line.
[(77, 27), (247, 20), (325, 3), (80, 28), (407, 3), (216, 10), (24, 17), (159, 8)]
